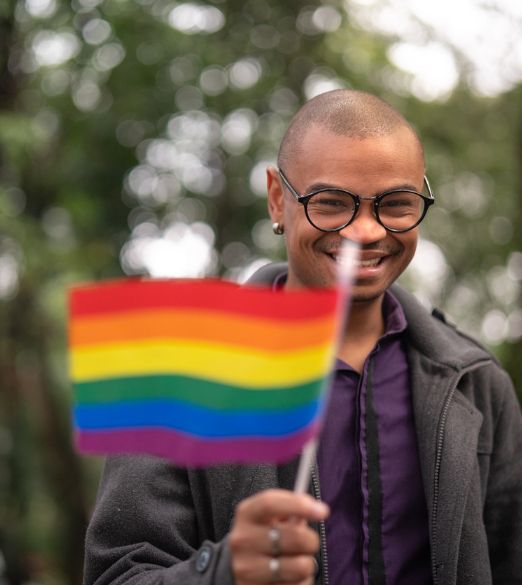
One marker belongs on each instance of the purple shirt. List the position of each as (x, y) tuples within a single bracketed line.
[(369, 469)]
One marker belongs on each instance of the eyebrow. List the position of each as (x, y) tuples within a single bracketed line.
[(319, 186)]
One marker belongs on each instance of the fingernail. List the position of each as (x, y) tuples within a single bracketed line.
[(321, 508)]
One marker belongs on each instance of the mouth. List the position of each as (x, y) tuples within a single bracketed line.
[(368, 263), (361, 263)]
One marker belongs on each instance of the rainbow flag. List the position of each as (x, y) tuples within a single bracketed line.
[(199, 371)]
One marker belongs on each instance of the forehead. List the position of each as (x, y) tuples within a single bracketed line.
[(365, 164)]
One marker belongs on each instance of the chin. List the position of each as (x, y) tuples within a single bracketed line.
[(360, 299), (366, 296), (313, 281)]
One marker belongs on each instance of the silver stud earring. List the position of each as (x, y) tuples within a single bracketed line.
[(278, 228)]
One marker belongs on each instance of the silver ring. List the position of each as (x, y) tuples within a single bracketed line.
[(274, 536), (274, 565)]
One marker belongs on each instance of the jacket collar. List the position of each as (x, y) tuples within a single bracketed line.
[(432, 336)]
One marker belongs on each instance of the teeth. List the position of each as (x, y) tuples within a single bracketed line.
[(361, 263), (365, 263)]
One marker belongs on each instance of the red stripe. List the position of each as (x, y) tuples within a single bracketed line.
[(137, 294)]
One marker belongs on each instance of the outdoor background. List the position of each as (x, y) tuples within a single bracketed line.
[(134, 136)]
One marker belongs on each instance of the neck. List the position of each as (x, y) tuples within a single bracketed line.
[(364, 327), (365, 318)]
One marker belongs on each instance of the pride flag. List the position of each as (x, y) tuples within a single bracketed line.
[(199, 371)]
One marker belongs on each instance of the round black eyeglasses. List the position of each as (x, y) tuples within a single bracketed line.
[(330, 209)]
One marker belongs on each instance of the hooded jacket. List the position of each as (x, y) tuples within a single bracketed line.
[(157, 524)]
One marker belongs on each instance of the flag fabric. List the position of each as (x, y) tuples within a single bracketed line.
[(199, 372)]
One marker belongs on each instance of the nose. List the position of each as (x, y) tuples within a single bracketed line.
[(364, 229)]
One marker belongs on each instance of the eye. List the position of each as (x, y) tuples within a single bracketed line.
[(330, 202), (400, 202)]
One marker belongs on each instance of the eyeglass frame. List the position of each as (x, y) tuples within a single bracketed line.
[(376, 199)]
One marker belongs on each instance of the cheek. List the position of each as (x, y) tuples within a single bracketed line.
[(298, 231), (409, 241), (293, 216)]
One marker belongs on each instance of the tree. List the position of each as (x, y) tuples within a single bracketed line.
[(133, 139)]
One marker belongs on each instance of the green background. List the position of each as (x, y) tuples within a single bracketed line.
[(128, 128)]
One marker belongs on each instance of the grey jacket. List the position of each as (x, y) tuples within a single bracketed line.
[(156, 524)]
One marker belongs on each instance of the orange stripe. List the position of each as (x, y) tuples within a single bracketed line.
[(206, 326)]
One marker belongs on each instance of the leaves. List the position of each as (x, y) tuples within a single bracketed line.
[(134, 137)]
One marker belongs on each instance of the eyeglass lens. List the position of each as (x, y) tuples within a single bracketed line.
[(399, 210)]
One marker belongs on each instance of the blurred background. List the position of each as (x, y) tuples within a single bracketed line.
[(134, 137)]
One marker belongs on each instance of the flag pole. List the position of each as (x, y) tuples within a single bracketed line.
[(345, 271), (306, 464)]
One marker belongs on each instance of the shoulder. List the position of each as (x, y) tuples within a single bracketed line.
[(268, 274), (431, 333), (445, 348)]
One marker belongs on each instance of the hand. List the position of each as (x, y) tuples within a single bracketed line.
[(270, 540)]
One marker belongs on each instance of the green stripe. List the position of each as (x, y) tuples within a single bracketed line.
[(194, 391)]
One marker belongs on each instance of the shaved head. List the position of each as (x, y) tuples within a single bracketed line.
[(346, 112)]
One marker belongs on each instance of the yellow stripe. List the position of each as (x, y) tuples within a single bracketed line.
[(230, 365)]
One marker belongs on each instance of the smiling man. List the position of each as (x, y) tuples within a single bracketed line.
[(419, 459), (374, 155)]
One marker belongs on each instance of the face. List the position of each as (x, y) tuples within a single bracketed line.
[(366, 167)]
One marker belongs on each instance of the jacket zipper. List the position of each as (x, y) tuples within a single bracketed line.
[(358, 464), (438, 461), (317, 492), (436, 480), (322, 530)]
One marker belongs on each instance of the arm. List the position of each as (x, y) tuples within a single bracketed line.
[(145, 531)]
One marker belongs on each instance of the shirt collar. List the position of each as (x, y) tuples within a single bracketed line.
[(393, 314), (280, 281)]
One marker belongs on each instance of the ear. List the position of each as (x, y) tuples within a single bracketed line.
[(275, 195)]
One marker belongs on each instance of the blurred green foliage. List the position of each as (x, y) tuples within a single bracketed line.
[(124, 123)]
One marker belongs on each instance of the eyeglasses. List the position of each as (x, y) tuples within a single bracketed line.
[(332, 209)]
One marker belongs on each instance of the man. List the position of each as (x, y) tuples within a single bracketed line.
[(419, 459)]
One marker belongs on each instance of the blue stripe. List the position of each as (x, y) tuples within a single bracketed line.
[(193, 419)]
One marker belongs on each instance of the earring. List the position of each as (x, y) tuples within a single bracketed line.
[(278, 228)]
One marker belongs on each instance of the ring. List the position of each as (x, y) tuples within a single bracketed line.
[(274, 536), (274, 565)]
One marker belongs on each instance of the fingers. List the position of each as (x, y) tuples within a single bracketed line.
[(270, 540), (258, 569), (294, 538), (265, 506)]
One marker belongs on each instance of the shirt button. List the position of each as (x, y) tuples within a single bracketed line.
[(203, 558)]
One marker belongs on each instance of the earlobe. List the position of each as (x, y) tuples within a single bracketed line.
[(275, 195)]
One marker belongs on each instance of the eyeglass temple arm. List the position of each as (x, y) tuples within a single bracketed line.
[(430, 192), (287, 185)]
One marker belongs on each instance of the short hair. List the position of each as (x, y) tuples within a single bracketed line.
[(352, 113)]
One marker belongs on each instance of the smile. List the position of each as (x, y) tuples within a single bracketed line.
[(361, 263), (368, 263)]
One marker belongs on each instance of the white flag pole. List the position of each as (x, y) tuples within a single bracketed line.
[(346, 264), (304, 471)]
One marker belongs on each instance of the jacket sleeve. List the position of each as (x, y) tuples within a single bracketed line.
[(503, 506), (144, 530)]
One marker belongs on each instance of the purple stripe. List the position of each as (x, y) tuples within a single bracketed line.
[(190, 451)]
